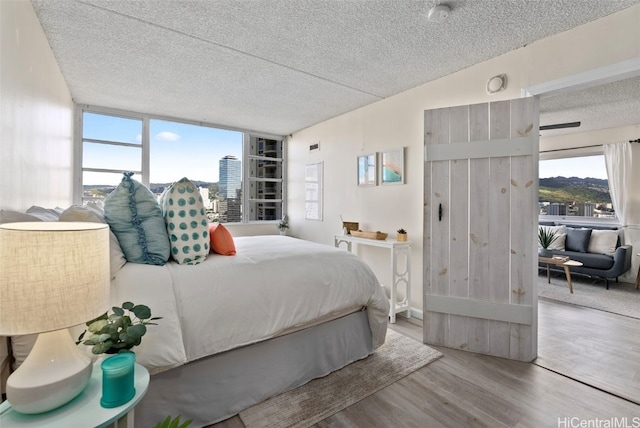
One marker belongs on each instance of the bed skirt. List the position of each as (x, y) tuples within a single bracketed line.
[(215, 388)]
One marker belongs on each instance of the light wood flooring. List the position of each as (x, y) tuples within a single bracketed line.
[(588, 368)]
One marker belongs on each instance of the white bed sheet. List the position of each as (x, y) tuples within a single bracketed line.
[(273, 283)]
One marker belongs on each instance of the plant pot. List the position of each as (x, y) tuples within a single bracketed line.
[(283, 232), (545, 252), (401, 237)]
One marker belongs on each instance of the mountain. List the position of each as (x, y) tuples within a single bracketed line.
[(157, 188), (574, 190)]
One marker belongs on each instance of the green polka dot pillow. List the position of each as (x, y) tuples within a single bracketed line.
[(186, 221)]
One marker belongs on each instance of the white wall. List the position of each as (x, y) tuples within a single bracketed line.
[(36, 113), (398, 122)]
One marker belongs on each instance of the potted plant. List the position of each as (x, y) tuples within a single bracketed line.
[(120, 331), (283, 225), (546, 237), (401, 235)]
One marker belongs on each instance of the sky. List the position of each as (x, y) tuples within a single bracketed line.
[(177, 150), (182, 150), (582, 167)]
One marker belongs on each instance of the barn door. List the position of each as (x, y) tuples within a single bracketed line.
[(480, 221)]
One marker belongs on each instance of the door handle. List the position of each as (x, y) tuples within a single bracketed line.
[(440, 212)]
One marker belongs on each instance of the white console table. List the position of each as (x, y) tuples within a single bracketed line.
[(400, 275)]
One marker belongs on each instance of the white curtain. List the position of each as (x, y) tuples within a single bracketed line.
[(617, 158)]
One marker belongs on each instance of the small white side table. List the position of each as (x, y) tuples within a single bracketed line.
[(84, 410), (400, 275)]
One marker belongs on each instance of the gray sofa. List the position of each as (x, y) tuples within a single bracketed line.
[(605, 266)]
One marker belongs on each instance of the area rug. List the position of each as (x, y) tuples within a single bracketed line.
[(621, 298), (323, 397)]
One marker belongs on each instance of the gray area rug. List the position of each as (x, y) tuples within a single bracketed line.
[(621, 297), (323, 397)]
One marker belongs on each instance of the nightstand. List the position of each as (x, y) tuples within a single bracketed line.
[(84, 410)]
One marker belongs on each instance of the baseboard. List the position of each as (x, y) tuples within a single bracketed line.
[(415, 313)]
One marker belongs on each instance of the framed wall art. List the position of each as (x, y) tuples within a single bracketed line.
[(392, 167), (313, 182), (367, 170)]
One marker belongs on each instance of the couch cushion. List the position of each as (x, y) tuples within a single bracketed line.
[(577, 240), (561, 233), (590, 260), (603, 241)]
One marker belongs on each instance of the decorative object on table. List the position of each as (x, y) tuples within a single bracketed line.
[(401, 235), (120, 331), (117, 379), (283, 225), (349, 225), (53, 275), (392, 167), (175, 423), (380, 236), (367, 170), (545, 239)]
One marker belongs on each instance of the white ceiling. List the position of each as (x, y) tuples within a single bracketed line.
[(279, 66)]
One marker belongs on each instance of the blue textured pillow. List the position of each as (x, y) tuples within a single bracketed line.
[(187, 224), (135, 218), (577, 240)]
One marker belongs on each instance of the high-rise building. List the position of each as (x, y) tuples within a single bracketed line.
[(230, 177), (230, 191)]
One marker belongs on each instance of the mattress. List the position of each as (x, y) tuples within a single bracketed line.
[(273, 285)]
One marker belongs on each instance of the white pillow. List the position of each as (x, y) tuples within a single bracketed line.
[(603, 241), (558, 243), (561, 235), (8, 216), (45, 214)]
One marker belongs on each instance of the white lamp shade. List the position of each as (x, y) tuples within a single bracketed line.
[(53, 275)]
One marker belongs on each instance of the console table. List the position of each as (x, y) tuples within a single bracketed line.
[(84, 410), (399, 274)]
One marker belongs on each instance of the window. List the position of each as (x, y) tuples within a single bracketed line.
[(264, 178), (575, 186), (233, 169)]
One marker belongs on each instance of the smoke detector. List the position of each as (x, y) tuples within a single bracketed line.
[(438, 13)]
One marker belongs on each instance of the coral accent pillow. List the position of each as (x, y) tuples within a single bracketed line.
[(187, 224), (134, 216), (221, 240)]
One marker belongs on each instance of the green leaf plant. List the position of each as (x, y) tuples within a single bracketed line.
[(546, 237), (119, 331), (175, 423)]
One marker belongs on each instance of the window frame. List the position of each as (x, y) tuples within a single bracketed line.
[(78, 143), (568, 153)]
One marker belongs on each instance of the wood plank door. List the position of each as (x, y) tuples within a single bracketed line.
[(480, 223)]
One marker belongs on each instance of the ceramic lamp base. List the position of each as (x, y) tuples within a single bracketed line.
[(54, 373)]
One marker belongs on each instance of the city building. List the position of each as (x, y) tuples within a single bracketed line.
[(557, 209)]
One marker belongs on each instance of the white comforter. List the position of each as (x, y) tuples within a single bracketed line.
[(274, 283)]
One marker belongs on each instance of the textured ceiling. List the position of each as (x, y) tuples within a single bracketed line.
[(279, 66)]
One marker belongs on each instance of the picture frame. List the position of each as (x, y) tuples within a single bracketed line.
[(313, 183), (367, 170), (392, 167)]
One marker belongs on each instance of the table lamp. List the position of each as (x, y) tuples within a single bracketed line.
[(53, 275)]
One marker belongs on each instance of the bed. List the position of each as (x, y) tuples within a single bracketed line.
[(236, 330)]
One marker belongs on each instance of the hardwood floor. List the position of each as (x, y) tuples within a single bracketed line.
[(578, 348)]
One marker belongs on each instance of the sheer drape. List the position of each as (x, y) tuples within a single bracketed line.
[(617, 158)]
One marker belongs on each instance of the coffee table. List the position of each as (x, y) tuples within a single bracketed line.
[(560, 262)]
